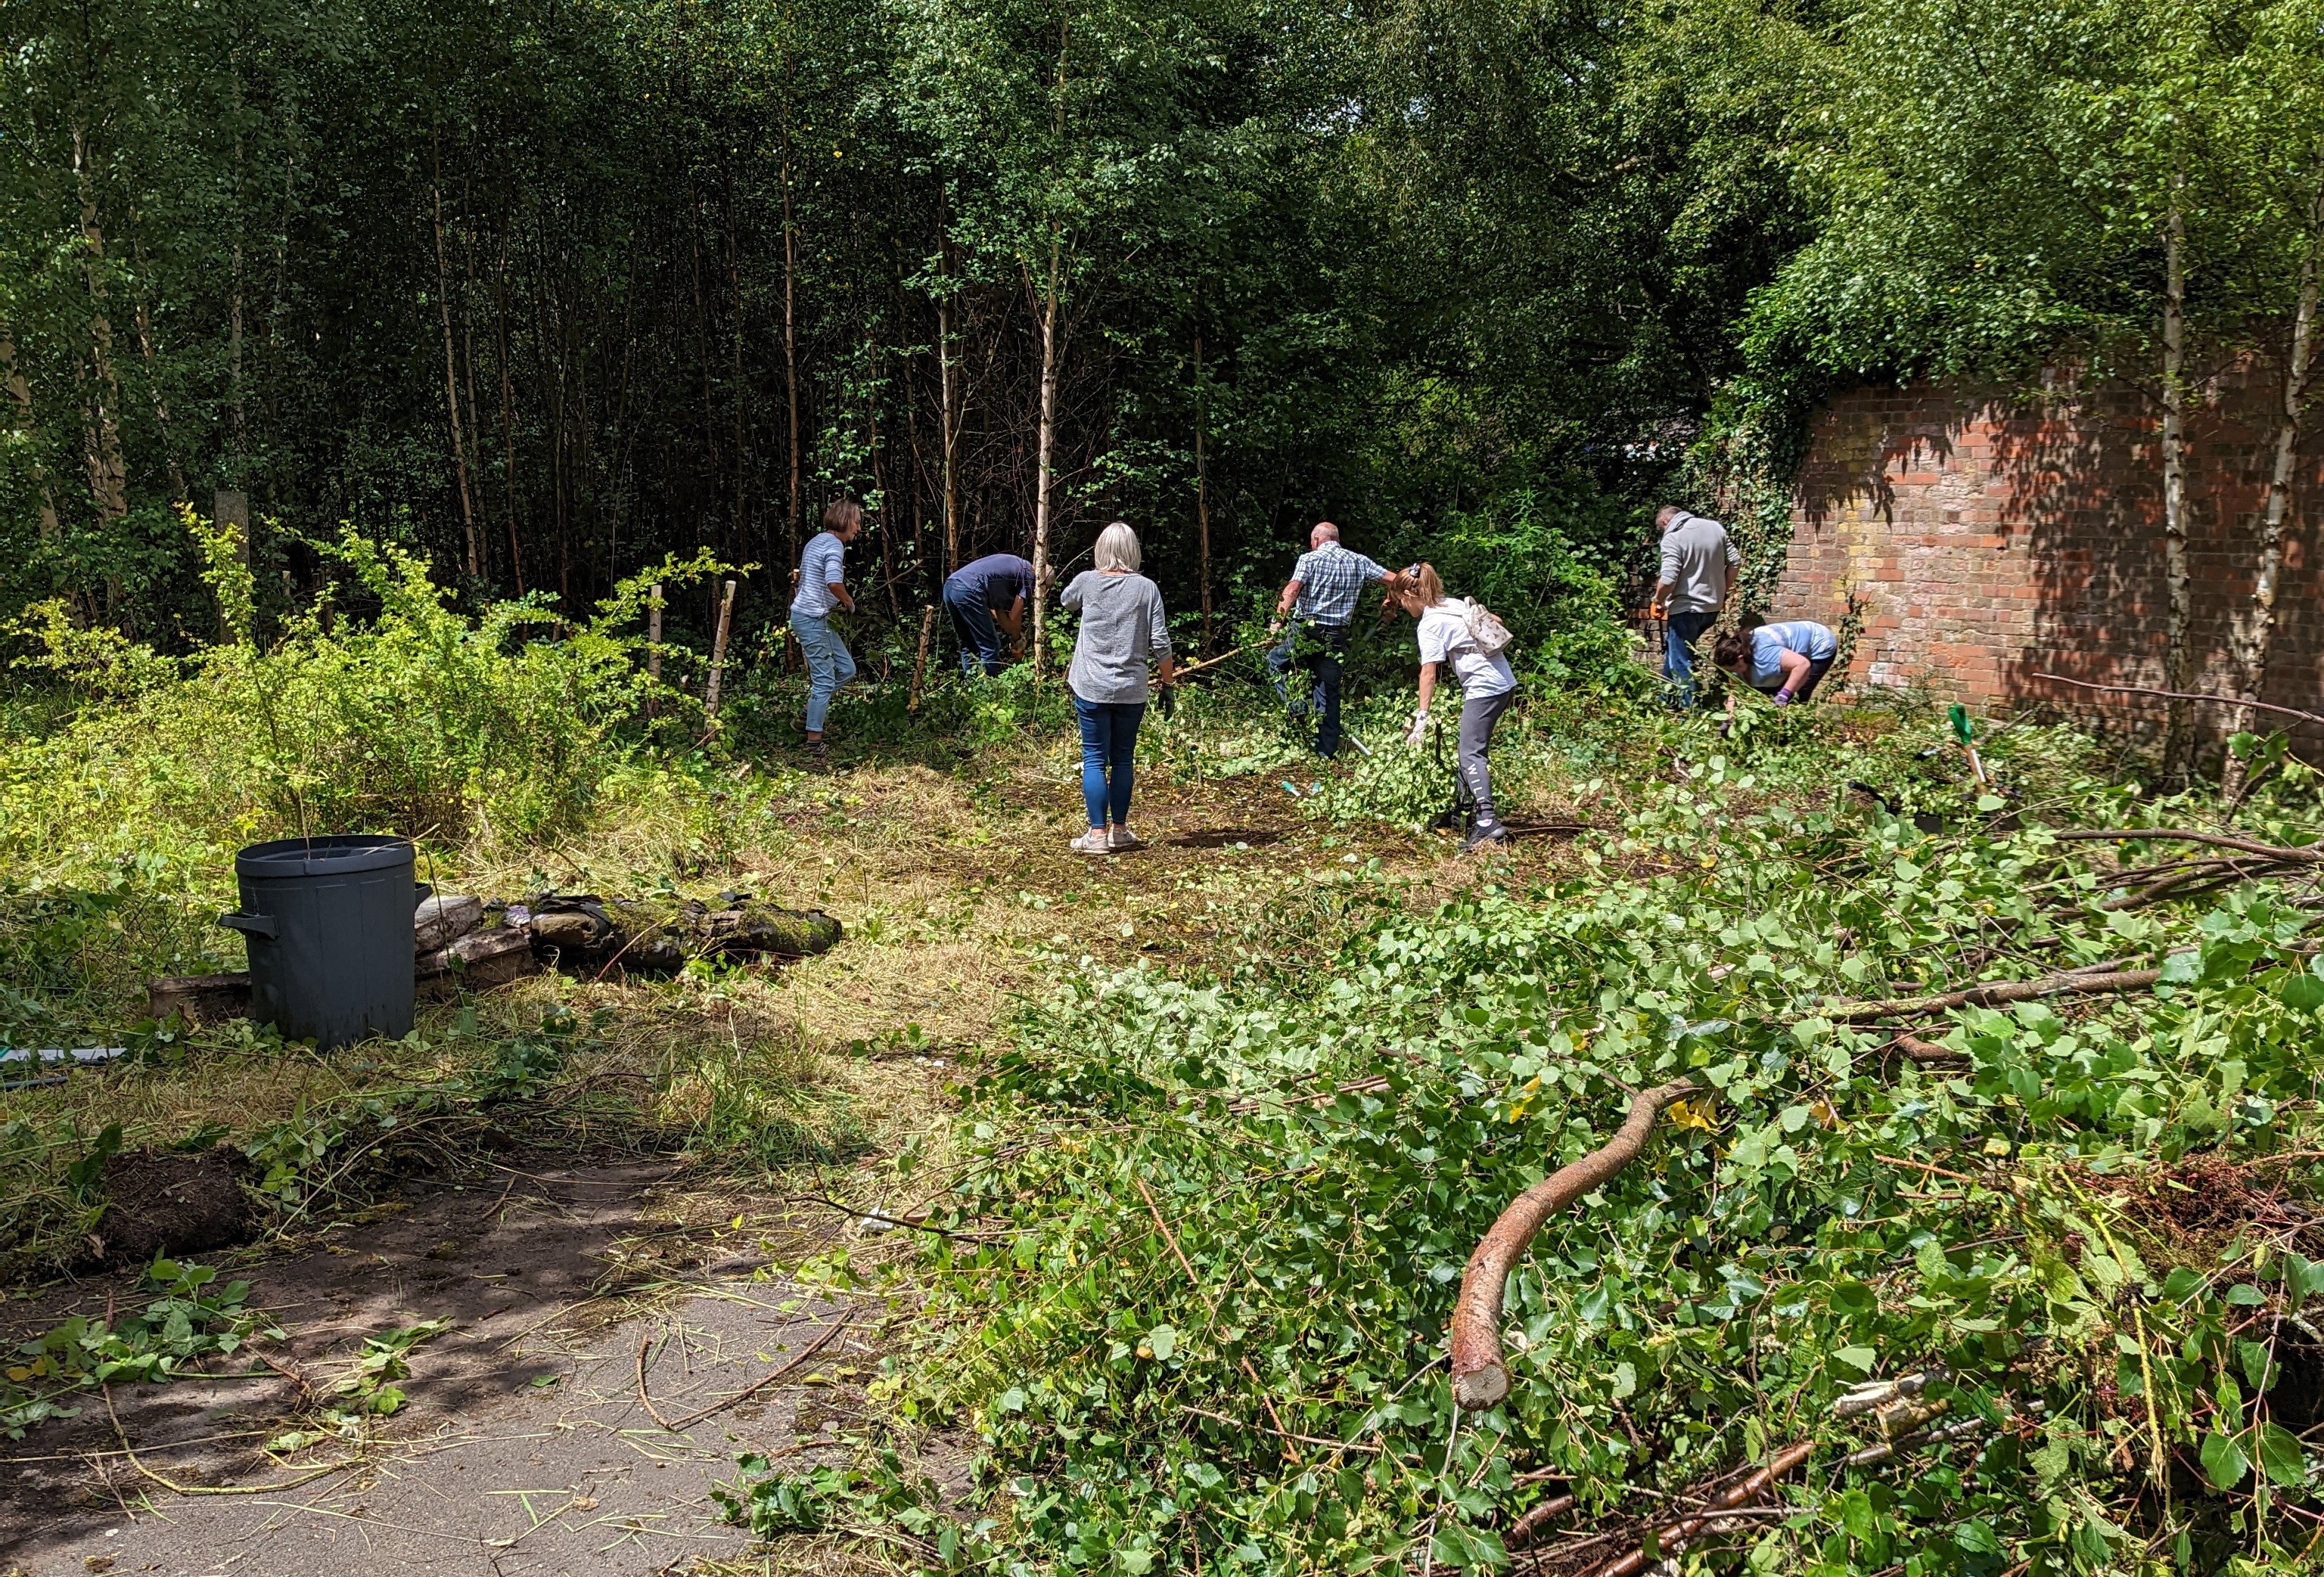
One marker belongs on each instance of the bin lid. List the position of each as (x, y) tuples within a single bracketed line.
[(344, 854)]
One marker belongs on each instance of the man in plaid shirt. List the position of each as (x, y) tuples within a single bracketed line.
[(1323, 591)]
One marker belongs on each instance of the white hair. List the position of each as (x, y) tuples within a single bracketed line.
[(1325, 529), (1117, 548)]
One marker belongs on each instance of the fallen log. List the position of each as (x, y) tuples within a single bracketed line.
[(1670, 1540), (1994, 993), (594, 935), (443, 918), (200, 999), (479, 960), (1479, 1378)]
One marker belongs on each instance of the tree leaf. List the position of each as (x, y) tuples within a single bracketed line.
[(2223, 1462), (2280, 1456)]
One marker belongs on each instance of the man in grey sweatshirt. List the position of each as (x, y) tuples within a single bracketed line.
[(1699, 565)]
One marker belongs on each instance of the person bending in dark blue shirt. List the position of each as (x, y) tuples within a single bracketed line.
[(984, 598)]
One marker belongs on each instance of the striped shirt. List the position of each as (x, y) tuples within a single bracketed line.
[(822, 566), (1331, 578)]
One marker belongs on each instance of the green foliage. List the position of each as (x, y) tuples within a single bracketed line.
[(191, 1318), (1324, 1147)]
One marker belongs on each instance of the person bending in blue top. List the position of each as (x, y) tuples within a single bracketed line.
[(1788, 659), (985, 597)]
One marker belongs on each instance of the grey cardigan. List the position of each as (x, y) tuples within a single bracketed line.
[(1122, 630)]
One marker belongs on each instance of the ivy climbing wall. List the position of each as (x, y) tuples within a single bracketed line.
[(1993, 536)]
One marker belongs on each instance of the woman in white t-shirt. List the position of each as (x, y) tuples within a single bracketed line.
[(1487, 689)]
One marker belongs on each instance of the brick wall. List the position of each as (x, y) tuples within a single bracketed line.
[(1992, 538)]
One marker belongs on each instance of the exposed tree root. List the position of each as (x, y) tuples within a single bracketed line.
[(1479, 1378)]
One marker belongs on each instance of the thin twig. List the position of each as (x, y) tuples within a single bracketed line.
[(1196, 1281), (1303, 1439), (177, 1488), (680, 1425), (2185, 696)]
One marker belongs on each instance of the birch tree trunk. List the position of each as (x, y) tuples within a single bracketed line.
[(1046, 450), (234, 305), (1202, 492), (451, 380), (948, 415), (2177, 736), (20, 393), (508, 419), (790, 352), (2259, 628), (140, 313), (108, 474)]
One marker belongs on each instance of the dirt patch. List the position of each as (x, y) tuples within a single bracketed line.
[(160, 1203)]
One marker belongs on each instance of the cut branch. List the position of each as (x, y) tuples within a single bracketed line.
[(2289, 854), (2316, 718), (1994, 993), (1479, 1378), (1671, 1539)]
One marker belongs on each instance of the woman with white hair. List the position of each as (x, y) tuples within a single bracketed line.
[(1123, 629)]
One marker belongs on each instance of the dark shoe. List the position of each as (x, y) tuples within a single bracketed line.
[(818, 755), (1478, 837)]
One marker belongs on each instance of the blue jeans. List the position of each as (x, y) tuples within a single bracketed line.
[(1681, 630), (1317, 648), (973, 622), (1109, 748), (828, 665)]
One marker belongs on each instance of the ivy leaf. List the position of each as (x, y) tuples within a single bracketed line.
[(2224, 1462), (2303, 994)]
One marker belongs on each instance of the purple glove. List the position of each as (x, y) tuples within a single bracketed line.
[(1783, 697)]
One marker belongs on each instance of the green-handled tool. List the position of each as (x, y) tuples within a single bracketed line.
[(1966, 731)]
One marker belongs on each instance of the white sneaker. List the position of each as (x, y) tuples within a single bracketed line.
[(1121, 839), (1093, 842)]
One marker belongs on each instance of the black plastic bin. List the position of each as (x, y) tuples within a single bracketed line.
[(328, 924)]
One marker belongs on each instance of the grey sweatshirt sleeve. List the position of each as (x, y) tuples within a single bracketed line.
[(1157, 635), (1734, 554), (1072, 595), (1670, 557)]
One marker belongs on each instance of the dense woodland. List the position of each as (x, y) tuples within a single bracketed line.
[(547, 288)]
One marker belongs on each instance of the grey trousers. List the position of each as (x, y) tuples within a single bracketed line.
[(1479, 716)]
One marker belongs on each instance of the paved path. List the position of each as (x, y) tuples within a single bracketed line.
[(524, 1447)]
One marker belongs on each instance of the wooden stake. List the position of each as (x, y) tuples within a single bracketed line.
[(718, 653), (920, 663), (653, 646)]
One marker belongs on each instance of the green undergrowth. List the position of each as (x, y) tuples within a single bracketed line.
[(189, 1316), (1200, 1258)]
